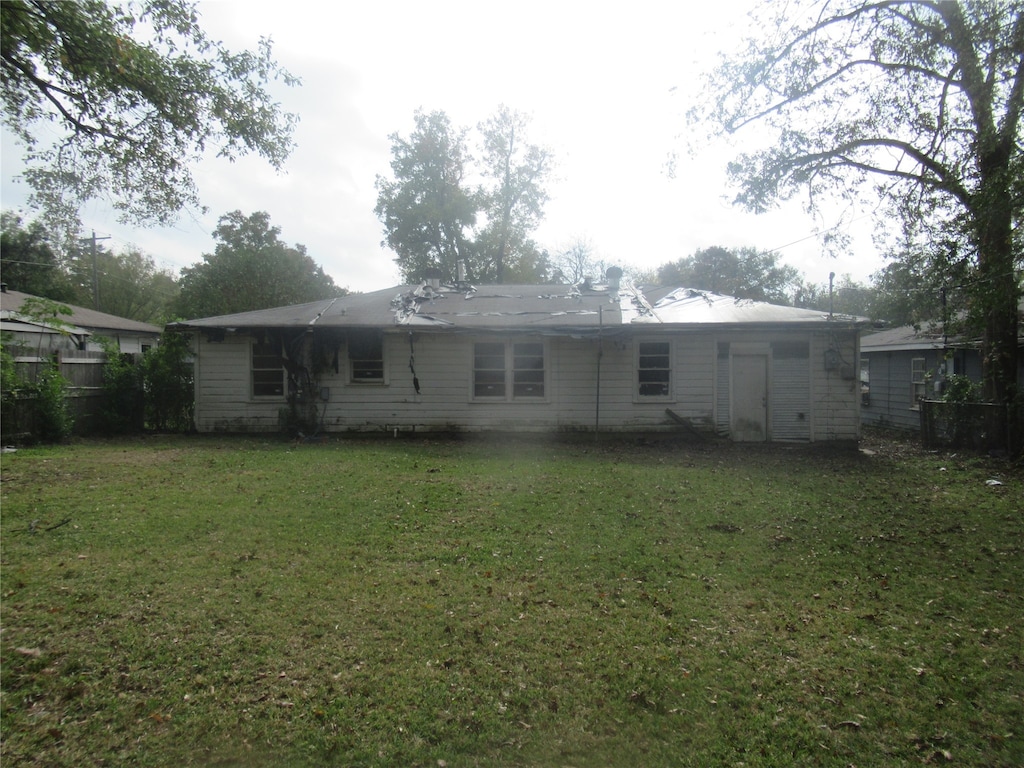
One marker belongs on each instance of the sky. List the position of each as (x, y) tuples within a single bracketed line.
[(605, 86)]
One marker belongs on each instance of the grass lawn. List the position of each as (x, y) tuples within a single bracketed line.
[(509, 602)]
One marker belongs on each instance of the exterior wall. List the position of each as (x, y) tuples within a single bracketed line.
[(806, 401), (129, 344), (889, 400), (809, 397)]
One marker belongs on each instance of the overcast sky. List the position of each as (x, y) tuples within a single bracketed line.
[(606, 86)]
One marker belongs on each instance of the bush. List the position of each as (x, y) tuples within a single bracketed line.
[(53, 420), (168, 385), (122, 409), (961, 389)]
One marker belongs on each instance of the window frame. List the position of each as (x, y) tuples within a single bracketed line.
[(519, 370), (640, 354), (262, 371), (865, 381), (918, 382), (366, 338)]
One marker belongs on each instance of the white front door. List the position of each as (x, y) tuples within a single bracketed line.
[(749, 406)]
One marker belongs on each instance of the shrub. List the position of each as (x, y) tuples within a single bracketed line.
[(53, 419), (167, 381), (122, 392)]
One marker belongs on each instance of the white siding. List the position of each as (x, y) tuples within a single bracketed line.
[(223, 399), (790, 391), (835, 392), (809, 402)]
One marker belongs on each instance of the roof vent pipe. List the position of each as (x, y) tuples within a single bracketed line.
[(614, 275), (433, 277)]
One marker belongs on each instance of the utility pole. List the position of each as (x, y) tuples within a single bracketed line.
[(95, 275)]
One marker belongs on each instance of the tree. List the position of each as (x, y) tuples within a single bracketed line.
[(250, 269), (126, 284), (925, 285), (28, 261), (514, 204), (135, 93), (745, 273), (921, 96), (844, 296), (427, 214), (433, 219), (577, 261)]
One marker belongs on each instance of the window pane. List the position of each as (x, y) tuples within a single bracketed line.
[(267, 383), (366, 356), (528, 370), (654, 374), (267, 370), (489, 369)]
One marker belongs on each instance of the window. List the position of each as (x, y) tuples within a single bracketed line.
[(528, 370), (918, 378), (267, 369), (654, 369), (500, 368), (489, 370), (865, 381), (366, 357)]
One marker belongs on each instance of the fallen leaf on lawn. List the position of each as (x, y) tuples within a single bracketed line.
[(35, 653)]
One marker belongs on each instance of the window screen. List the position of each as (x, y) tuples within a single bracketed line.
[(366, 357), (267, 369), (654, 372)]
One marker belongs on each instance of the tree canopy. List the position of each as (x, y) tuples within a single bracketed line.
[(28, 262), (514, 201), (125, 283), (434, 217), (921, 97), (251, 268), (427, 212), (746, 273), (134, 93)]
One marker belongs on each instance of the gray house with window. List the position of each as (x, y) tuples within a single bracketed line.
[(902, 366), (566, 358)]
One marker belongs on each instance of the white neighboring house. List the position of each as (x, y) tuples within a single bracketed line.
[(562, 358), (80, 329)]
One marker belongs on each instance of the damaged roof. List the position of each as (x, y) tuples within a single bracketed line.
[(520, 307)]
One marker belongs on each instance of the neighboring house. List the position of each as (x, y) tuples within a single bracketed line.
[(902, 366), (531, 357), (72, 342), (78, 331)]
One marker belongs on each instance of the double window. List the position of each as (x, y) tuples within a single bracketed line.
[(267, 368), (504, 370), (654, 369)]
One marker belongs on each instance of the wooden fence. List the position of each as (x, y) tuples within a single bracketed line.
[(84, 374)]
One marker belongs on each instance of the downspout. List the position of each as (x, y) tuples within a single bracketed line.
[(600, 354)]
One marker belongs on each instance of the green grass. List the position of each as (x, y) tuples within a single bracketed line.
[(238, 602)]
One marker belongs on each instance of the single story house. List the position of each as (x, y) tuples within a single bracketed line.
[(78, 331), (566, 358), (900, 367)]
